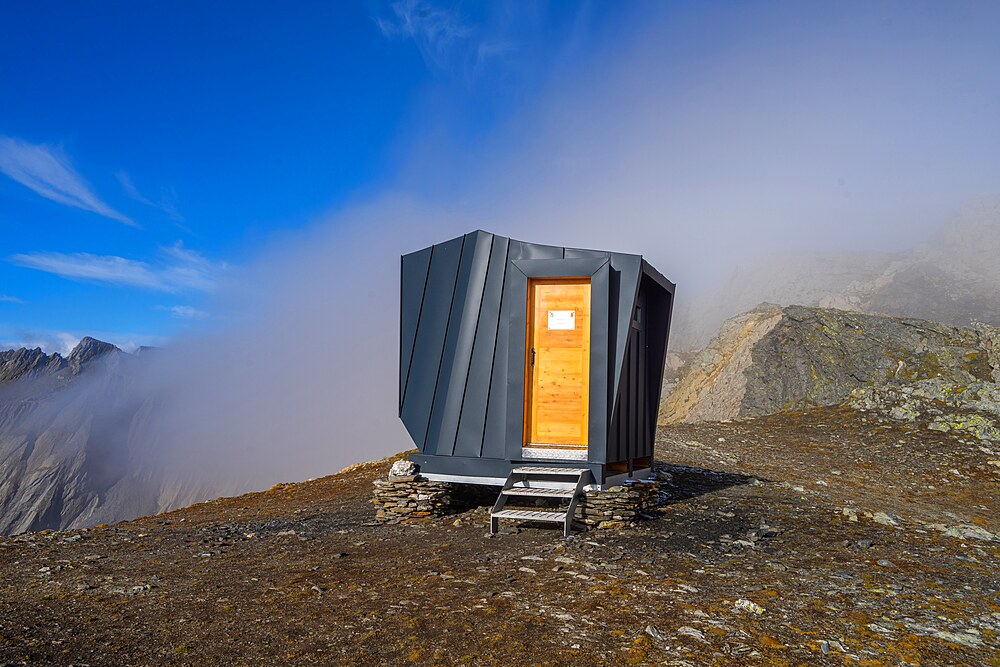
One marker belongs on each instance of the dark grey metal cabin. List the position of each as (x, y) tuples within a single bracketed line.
[(467, 357)]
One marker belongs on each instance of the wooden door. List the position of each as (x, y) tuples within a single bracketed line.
[(557, 364)]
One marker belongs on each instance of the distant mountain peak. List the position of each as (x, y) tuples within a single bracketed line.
[(87, 349)]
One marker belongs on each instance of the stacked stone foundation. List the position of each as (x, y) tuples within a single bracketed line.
[(412, 498), (406, 499), (617, 506)]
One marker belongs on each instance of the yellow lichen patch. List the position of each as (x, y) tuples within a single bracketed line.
[(974, 424), (638, 653)]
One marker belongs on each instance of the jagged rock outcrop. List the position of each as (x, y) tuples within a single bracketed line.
[(24, 363), (86, 350), (712, 384), (17, 364), (772, 359)]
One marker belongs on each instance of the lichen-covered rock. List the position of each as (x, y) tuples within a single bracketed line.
[(774, 359), (976, 425), (403, 468), (971, 409)]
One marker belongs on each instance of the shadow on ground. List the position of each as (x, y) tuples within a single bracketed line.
[(679, 482)]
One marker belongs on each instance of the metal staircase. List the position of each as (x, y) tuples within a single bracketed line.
[(530, 482)]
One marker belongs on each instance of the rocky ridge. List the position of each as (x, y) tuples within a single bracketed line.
[(32, 363), (773, 359)]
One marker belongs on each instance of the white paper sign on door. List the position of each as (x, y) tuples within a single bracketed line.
[(562, 319)]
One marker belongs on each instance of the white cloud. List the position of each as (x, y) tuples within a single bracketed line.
[(165, 204), (185, 312), (6, 298), (434, 30), (48, 172), (177, 270), (129, 187)]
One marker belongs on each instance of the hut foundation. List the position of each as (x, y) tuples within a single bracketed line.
[(412, 498), (616, 506)]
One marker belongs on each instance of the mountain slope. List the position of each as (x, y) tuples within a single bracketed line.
[(74, 449), (850, 548)]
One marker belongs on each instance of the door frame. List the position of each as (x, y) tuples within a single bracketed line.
[(516, 304), (529, 331)]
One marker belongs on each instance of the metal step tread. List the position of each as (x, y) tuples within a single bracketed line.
[(530, 515), (539, 492), (542, 470)]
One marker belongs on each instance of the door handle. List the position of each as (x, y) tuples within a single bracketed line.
[(532, 356)]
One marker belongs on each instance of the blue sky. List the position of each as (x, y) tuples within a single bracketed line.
[(147, 149), (150, 151)]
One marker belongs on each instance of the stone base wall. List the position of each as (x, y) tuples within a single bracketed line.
[(405, 499), (410, 498), (617, 505)]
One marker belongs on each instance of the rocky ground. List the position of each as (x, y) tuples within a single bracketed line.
[(827, 537)]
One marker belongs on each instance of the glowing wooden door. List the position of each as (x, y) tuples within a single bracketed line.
[(557, 364)]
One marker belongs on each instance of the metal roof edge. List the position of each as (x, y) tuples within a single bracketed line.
[(649, 270)]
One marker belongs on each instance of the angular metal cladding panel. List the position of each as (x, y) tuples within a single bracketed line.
[(629, 268), (644, 389), (578, 253), (495, 431), (465, 311), (660, 305), (620, 426), (412, 279), (430, 338), (515, 305), (634, 418), (635, 393), (472, 423), (599, 415), (522, 250)]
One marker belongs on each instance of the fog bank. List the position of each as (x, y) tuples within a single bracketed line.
[(700, 140)]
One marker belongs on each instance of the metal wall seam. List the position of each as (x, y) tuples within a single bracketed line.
[(458, 348), (444, 344), (476, 347), (496, 407)]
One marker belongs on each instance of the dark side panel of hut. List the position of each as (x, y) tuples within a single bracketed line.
[(467, 360)]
